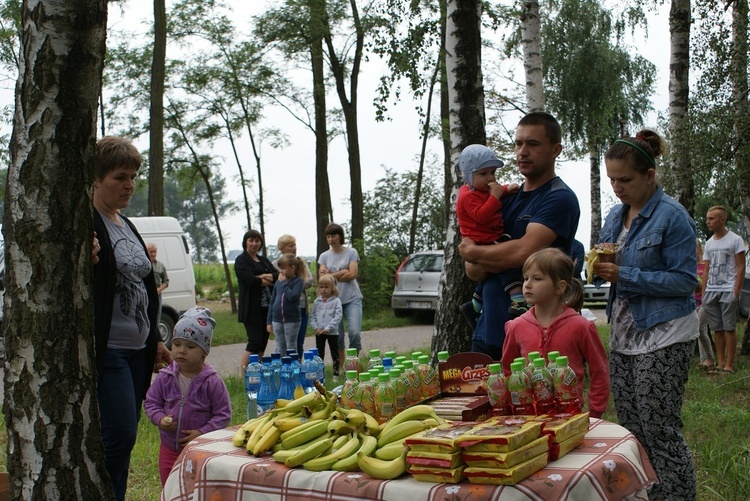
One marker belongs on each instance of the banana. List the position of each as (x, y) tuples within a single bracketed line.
[(240, 437), (592, 257), (311, 400), (340, 440), (412, 413), (401, 430), (305, 435), (282, 455), (390, 451), (325, 412), (280, 403), (256, 434), (266, 441), (289, 424), (340, 428), (322, 463), (300, 428), (382, 470), (306, 444), (309, 453), (299, 392), (371, 425), (355, 417), (349, 463)]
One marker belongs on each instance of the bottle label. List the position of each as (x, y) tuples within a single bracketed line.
[(254, 379)]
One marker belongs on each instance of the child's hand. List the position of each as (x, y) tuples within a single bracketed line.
[(496, 189), (167, 423), (269, 328), (189, 435)]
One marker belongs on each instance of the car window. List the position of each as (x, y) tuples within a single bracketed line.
[(424, 262)]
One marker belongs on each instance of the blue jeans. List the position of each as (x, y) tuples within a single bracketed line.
[(353, 315), (302, 331), (120, 383)]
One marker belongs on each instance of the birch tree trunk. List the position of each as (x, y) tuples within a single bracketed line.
[(741, 108), (679, 128), (532, 55), (596, 195), (467, 121), (50, 407)]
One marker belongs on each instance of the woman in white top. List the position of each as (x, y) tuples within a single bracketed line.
[(343, 263)]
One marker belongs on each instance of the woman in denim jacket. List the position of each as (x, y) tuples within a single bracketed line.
[(652, 312)]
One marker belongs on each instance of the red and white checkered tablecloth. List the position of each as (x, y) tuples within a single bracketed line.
[(610, 465)]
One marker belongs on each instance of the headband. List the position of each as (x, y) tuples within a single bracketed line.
[(650, 158)]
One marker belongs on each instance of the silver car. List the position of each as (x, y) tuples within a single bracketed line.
[(416, 282)]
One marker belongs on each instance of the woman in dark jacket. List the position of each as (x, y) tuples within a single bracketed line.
[(255, 276), (126, 303)]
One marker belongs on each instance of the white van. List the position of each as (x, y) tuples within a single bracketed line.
[(172, 250)]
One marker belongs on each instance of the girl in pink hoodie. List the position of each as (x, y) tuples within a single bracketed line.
[(555, 324)]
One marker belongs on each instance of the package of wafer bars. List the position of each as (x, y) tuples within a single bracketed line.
[(508, 459), (496, 436), (556, 451), (439, 475), (439, 440), (434, 459), (563, 427), (505, 476)]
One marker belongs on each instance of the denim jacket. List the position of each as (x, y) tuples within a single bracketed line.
[(657, 272)]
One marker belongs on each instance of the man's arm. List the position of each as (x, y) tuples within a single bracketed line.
[(740, 257), (482, 259)]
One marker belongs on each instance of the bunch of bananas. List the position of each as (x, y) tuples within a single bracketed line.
[(312, 431)]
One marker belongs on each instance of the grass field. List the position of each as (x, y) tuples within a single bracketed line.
[(716, 416)]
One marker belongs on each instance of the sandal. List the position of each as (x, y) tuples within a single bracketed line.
[(726, 371), (707, 367), (714, 370)]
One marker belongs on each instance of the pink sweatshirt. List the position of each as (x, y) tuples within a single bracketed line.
[(571, 335)]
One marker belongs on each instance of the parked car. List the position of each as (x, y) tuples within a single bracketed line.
[(416, 282), (592, 294)]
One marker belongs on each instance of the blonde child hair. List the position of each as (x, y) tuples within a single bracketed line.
[(557, 265), (330, 281), (297, 262)]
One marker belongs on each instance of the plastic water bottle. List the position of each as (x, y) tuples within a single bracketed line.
[(374, 359), (387, 364), (276, 364), (566, 388), (286, 390), (308, 373), (252, 386), (544, 390), (521, 396), (268, 389), (320, 365), (296, 368), (497, 391)]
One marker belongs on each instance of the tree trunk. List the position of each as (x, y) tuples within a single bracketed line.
[(156, 113), (741, 108), (323, 205), (349, 108), (51, 409), (420, 172), (466, 118), (532, 55), (596, 195), (679, 91)]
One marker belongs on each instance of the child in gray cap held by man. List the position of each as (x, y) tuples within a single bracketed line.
[(189, 381)]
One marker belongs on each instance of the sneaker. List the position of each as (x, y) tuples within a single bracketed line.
[(518, 308), (470, 314)]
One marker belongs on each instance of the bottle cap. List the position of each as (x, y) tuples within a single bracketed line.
[(364, 376), (562, 360), (552, 356), (350, 352), (286, 360), (443, 355), (375, 353), (267, 359), (276, 355), (539, 362), (253, 358), (390, 354), (394, 373), (409, 364), (424, 359), (399, 359), (415, 355), (520, 359), (494, 368), (351, 374), (314, 351), (308, 355), (533, 355), (384, 377), (387, 362), (516, 366)]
